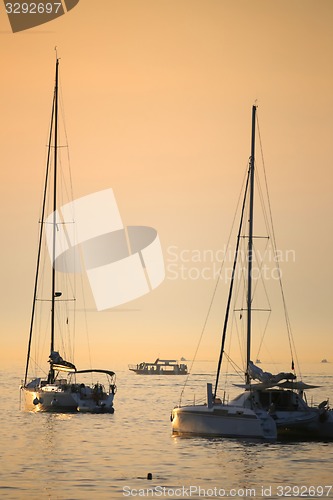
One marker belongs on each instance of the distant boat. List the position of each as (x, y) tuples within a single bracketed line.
[(324, 361), (269, 406), (258, 361), (64, 388), (160, 367)]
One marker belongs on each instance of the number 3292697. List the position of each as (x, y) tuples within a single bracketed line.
[(32, 7), (303, 491)]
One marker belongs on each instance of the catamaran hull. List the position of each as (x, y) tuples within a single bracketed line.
[(313, 424), (223, 421)]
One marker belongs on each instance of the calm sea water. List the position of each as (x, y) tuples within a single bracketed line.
[(74, 457)]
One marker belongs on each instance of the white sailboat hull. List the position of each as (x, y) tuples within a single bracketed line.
[(48, 400), (54, 399), (223, 421)]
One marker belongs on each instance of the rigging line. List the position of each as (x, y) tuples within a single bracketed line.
[(240, 290), (287, 319), (66, 281), (269, 233), (214, 290), (232, 281), (60, 334), (62, 110), (240, 298), (37, 366), (238, 294), (39, 244), (67, 190), (82, 289), (234, 365), (58, 300), (241, 334), (230, 362), (260, 267), (264, 330), (262, 202), (37, 326), (70, 194)]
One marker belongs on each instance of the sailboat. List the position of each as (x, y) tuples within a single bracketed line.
[(270, 406), (61, 387)]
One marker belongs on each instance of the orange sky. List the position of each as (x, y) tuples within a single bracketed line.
[(158, 98)]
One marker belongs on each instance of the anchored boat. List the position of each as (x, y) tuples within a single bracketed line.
[(270, 406), (160, 367), (58, 386)]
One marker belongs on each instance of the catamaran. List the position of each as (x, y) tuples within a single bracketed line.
[(270, 406)]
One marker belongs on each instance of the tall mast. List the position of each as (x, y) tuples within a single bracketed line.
[(53, 283), (250, 247)]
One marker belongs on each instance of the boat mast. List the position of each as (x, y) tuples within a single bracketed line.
[(250, 248), (53, 282)]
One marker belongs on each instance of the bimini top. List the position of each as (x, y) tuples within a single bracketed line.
[(108, 372)]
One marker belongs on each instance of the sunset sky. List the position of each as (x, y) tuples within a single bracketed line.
[(157, 99)]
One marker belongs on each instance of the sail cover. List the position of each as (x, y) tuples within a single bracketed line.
[(58, 363), (257, 373)]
